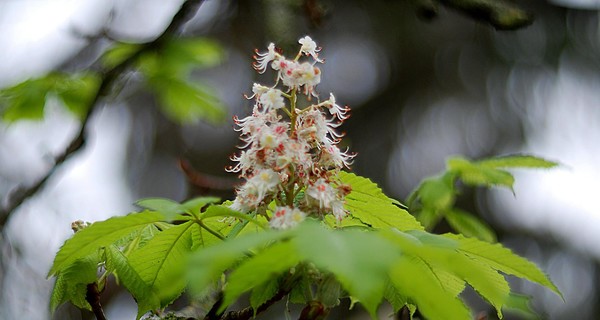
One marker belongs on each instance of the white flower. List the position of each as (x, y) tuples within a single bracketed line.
[(247, 198), (271, 100), (265, 181), (340, 112), (263, 59), (309, 47), (331, 155), (278, 157), (310, 75), (286, 217), (322, 192), (257, 90), (338, 210)]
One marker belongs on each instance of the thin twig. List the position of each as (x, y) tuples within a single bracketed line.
[(107, 80)]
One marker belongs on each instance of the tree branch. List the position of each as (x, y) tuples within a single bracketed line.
[(107, 80), (500, 14), (92, 296)]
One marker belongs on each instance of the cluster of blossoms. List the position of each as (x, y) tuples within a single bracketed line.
[(290, 154)]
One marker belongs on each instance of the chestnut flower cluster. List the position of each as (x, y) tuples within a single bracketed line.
[(290, 154)]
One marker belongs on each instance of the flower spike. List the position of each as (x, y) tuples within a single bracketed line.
[(290, 158)]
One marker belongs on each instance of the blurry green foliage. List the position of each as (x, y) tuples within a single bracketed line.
[(433, 200), (27, 99), (166, 70)]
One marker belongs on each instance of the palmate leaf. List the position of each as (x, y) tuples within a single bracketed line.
[(415, 280), (201, 238), (502, 259), (263, 292), (264, 266), (71, 282), (100, 234), (427, 270), (161, 264), (367, 203), (208, 264), (117, 263), (354, 257), (172, 208), (452, 268)]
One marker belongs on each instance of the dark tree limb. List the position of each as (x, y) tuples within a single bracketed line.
[(500, 14), (92, 296), (206, 181), (108, 78)]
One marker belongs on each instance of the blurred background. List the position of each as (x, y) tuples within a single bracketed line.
[(420, 90)]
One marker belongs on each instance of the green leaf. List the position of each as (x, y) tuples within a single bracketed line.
[(263, 293), (479, 175), (488, 283), (179, 54), (71, 283), (118, 53), (77, 92), (117, 263), (502, 259), (196, 204), (262, 267), (202, 238), (161, 263), (517, 161), (329, 291), (415, 280), (393, 296), (353, 256), (167, 207), (208, 264), (429, 217), (437, 193), (186, 102), (301, 291), (452, 268), (469, 225), (224, 211), (520, 305), (433, 250), (25, 100), (100, 234), (367, 203)]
